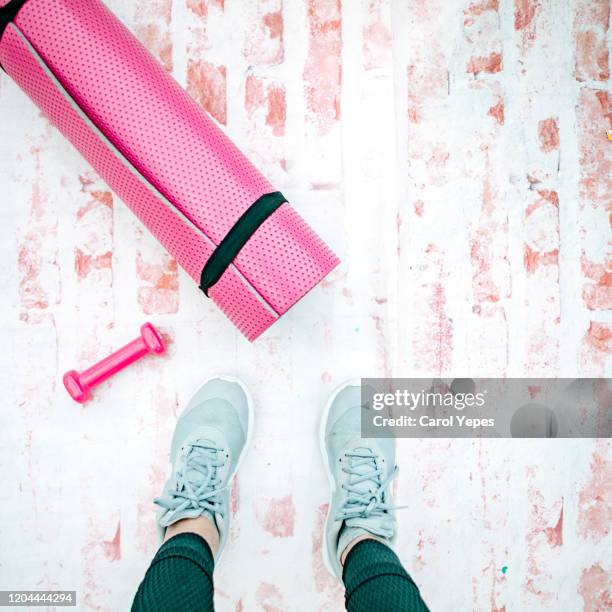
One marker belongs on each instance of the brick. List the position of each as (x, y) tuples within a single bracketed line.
[(490, 63), (152, 23), (596, 349), (376, 33), (542, 299), (264, 40), (323, 70), (427, 77), (433, 337), (160, 292), (525, 20), (548, 134), (265, 100), (481, 29), (202, 7), (93, 246), (597, 292), (37, 265), (207, 84), (594, 118), (591, 24), (498, 112)]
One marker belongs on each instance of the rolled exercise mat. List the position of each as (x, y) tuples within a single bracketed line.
[(225, 224)]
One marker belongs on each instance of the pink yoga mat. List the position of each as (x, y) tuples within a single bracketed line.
[(164, 157)]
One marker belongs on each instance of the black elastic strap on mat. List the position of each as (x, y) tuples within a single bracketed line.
[(237, 237), (8, 12)]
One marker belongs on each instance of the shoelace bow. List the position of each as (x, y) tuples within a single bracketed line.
[(204, 459), (365, 504)]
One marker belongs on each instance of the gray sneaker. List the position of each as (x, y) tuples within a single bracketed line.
[(360, 472), (209, 443)]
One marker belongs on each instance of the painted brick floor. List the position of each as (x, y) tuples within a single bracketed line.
[(455, 154)]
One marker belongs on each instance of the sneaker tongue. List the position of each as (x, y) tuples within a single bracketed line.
[(199, 476), (195, 478), (375, 525), (367, 486)]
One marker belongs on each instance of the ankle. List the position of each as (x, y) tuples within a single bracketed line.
[(357, 540), (201, 526)]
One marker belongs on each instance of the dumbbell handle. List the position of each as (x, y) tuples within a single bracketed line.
[(79, 385)]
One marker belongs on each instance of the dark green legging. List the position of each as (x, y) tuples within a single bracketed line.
[(180, 579)]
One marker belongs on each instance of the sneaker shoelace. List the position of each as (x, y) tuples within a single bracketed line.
[(197, 483), (365, 502)]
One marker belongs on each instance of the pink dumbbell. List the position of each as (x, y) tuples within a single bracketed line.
[(79, 385)]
